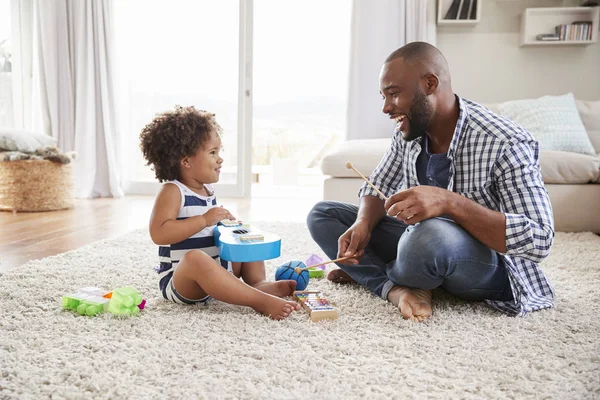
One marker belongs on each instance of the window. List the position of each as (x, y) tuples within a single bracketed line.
[(301, 56), (188, 53), (177, 53)]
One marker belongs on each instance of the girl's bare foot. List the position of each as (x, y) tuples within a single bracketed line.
[(339, 276), (414, 304), (279, 288), (276, 308)]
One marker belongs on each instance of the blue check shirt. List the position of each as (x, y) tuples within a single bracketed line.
[(494, 162)]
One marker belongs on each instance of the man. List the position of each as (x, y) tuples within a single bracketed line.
[(467, 210)]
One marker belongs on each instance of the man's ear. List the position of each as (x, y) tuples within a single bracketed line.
[(431, 83)]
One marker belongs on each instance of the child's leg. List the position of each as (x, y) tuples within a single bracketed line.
[(198, 275), (253, 273)]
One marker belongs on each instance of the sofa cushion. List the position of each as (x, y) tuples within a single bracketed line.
[(364, 155), (553, 120), (557, 166), (589, 111), (565, 167)]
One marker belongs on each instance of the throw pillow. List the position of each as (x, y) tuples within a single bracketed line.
[(553, 120), (24, 141), (589, 111)]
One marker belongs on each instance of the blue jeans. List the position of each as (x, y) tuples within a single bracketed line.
[(433, 253)]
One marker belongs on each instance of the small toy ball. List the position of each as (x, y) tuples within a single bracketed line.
[(286, 271)]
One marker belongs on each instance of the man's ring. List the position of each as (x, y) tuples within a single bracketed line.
[(407, 217)]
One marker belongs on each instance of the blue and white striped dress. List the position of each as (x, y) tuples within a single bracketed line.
[(192, 204)]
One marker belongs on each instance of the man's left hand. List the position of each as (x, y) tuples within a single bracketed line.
[(418, 203)]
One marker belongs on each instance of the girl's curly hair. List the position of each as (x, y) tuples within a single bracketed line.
[(173, 135)]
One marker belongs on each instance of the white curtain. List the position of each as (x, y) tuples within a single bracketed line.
[(73, 54), (22, 37), (378, 28)]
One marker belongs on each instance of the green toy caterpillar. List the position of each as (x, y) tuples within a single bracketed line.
[(93, 301)]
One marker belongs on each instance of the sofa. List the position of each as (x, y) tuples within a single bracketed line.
[(572, 179)]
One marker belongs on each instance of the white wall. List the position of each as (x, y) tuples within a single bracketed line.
[(487, 65)]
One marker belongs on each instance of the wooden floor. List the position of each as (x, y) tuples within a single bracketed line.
[(31, 236)]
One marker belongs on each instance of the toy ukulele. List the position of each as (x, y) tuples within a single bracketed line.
[(241, 243), (316, 304)]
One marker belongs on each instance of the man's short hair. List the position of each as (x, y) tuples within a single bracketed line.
[(413, 50)]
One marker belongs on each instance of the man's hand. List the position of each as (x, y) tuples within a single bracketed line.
[(354, 241), (216, 214), (418, 203)]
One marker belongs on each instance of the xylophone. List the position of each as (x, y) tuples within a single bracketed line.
[(316, 304)]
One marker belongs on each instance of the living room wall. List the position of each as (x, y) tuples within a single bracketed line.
[(487, 64)]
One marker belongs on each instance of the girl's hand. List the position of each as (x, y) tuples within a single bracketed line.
[(216, 214)]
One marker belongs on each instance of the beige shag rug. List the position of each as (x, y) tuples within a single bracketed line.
[(465, 351)]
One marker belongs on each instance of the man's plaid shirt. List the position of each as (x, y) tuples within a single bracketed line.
[(494, 162)]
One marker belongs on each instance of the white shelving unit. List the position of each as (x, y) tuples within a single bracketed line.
[(444, 6), (535, 21)]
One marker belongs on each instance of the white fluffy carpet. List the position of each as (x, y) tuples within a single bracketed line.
[(222, 351)]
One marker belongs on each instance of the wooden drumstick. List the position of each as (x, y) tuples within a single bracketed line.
[(350, 166), (298, 269)]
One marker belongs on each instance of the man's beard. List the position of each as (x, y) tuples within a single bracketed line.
[(418, 116)]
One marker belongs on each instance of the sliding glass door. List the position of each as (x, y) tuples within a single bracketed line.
[(213, 55), (186, 53), (301, 55)]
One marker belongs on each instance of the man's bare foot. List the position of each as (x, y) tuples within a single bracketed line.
[(414, 304), (339, 276), (276, 308), (279, 288)]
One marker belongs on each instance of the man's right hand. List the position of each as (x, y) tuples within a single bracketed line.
[(354, 241)]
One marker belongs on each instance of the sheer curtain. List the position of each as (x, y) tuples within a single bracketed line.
[(379, 28), (74, 76), (22, 37)]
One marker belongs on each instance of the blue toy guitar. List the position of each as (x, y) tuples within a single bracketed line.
[(241, 243)]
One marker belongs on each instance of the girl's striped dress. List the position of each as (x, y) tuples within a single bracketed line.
[(192, 204)]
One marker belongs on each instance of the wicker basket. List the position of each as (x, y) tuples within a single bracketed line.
[(35, 185)]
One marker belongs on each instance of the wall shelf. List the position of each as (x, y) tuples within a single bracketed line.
[(535, 21), (469, 18)]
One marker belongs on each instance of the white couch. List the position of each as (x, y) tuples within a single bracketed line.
[(572, 179)]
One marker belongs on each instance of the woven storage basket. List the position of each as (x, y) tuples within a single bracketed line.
[(35, 185)]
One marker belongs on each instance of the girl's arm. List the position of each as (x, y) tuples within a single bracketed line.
[(164, 227)]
